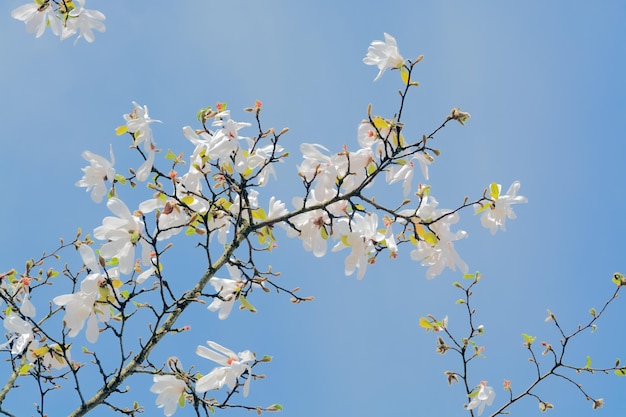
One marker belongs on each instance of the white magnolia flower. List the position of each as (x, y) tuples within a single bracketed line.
[(169, 389), (37, 18), (436, 248), (83, 305), (122, 233), (171, 217), (233, 366), (15, 324), (485, 396), (84, 22), (97, 174), (228, 290), (495, 215), (384, 55), (312, 227), (27, 308), (138, 123), (359, 234)]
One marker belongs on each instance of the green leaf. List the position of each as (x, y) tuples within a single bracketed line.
[(188, 199), (528, 339), (120, 130), (469, 276), (170, 155), (24, 369), (120, 178), (620, 372), (425, 323), (588, 364), (494, 191), (247, 304), (181, 400), (274, 407), (405, 75), (592, 311), (266, 358), (617, 278)]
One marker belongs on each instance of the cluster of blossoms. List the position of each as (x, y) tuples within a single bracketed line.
[(218, 196), (65, 18), (170, 388)]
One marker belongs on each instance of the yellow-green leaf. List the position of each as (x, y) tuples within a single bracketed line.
[(247, 304), (425, 323), (170, 155), (620, 372), (405, 75), (494, 191), (588, 364), (274, 407), (259, 214), (188, 199), (528, 339), (24, 369), (428, 236), (120, 130), (181, 400), (617, 278)]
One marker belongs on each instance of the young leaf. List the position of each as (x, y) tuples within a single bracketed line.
[(247, 304)]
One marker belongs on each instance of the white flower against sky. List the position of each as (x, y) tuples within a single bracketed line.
[(97, 174), (495, 215), (171, 216), (84, 22), (145, 169), (27, 308), (313, 227), (83, 305), (36, 18), (485, 396), (384, 55), (24, 333), (228, 290), (138, 123), (169, 389), (360, 235), (122, 234), (436, 248), (233, 366)]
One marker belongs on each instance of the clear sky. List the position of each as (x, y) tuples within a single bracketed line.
[(544, 82)]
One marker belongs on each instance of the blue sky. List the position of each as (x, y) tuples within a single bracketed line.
[(544, 84)]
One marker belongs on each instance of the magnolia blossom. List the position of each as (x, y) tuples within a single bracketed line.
[(122, 234), (384, 55), (171, 216), (83, 305), (360, 234), (169, 389), (233, 366), (495, 215), (97, 174), (84, 22), (436, 248), (37, 18), (138, 123), (485, 396), (227, 290), (312, 227), (15, 324)]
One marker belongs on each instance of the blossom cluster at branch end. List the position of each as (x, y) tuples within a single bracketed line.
[(65, 19)]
